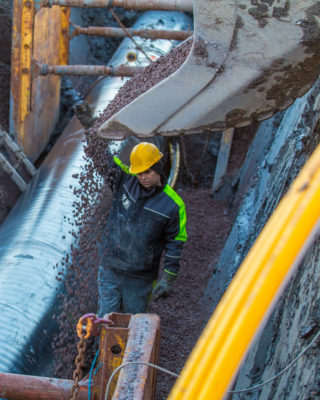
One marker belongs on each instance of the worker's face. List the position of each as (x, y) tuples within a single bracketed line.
[(149, 178)]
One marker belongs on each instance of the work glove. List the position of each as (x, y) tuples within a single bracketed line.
[(164, 287)]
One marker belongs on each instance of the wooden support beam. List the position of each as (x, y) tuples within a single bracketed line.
[(8, 168), (18, 153)]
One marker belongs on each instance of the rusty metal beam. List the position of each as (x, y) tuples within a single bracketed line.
[(138, 381), (80, 70), (113, 341), (132, 338), (169, 5), (17, 387), (119, 32)]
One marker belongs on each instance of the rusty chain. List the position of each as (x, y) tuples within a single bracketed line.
[(77, 374)]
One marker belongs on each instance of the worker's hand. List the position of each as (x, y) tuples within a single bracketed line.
[(164, 287)]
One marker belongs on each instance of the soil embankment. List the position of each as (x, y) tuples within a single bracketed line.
[(281, 147)]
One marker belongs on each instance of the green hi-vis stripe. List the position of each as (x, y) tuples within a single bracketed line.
[(182, 235), (124, 167), (170, 273)]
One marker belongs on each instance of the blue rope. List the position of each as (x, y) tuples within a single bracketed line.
[(90, 375), (97, 368)]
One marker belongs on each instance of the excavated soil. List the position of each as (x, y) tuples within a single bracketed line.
[(208, 225)]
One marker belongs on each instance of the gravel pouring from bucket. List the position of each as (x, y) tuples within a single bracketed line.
[(246, 63)]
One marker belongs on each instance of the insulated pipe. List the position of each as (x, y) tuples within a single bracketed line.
[(35, 235), (119, 32), (161, 5)]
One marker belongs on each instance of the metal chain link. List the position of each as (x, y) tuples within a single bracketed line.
[(77, 374)]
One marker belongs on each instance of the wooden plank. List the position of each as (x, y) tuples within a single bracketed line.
[(35, 100), (19, 154), (8, 168)]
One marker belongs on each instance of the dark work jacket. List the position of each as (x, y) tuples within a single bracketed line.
[(141, 224)]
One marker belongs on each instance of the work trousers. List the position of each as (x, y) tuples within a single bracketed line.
[(122, 293)]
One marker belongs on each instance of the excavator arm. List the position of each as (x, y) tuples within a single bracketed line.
[(249, 59)]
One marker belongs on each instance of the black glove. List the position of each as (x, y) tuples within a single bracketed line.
[(164, 287)]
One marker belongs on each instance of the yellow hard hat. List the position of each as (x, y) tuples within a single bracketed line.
[(143, 156)]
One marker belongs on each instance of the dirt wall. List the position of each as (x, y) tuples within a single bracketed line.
[(280, 149), (293, 325)]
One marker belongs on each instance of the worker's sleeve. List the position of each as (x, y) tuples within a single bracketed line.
[(115, 172), (175, 236)]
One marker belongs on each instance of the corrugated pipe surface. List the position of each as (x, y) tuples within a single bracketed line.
[(35, 236)]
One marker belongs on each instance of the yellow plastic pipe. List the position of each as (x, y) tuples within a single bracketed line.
[(218, 353)]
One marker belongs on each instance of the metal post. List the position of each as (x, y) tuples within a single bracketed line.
[(138, 381), (223, 157), (119, 32), (80, 70)]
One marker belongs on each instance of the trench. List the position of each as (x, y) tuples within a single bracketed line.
[(221, 231), (37, 235)]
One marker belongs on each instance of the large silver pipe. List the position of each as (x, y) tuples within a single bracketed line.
[(36, 234)]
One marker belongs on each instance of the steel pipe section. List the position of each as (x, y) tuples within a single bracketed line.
[(36, 234), (26, 387), (161, 5), (92, 70), (76, 30)]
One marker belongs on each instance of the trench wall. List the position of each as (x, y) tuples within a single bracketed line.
[(280, 149)]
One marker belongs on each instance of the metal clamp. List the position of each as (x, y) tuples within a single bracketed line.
[(43, 69), (91, 324)]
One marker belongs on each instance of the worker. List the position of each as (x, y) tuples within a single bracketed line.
[(146, 218)]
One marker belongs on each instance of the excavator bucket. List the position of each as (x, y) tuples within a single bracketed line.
[(249, 59)]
